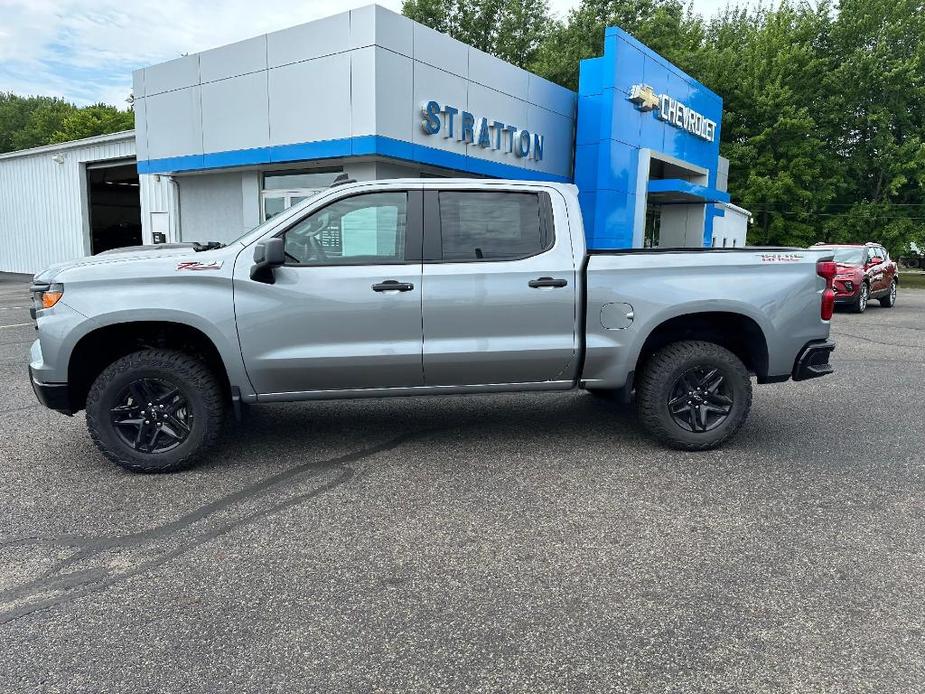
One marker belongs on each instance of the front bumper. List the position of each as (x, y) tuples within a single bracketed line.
[(54, 396), (843, 295), (813, 360)]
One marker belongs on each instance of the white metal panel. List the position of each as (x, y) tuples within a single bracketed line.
[(174, 74), (497, 74), (244, 96), (441, 51), (394, 90), (42, 208), (373, 24), (174, 123), (141, 141), (307, 41), (212, 207), (157, 203), (300, 114), (363, 96), (234, 59), (558, 138)]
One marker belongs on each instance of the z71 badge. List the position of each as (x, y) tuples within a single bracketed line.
[(196, 265)]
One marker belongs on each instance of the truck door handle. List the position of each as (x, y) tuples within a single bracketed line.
[(393, 286), (547, 282)]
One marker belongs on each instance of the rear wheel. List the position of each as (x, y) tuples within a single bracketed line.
[(693, 395), (155, 410), (889, 301)]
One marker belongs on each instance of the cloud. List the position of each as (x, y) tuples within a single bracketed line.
[(85, 51)]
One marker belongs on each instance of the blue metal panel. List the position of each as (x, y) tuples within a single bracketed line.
[(686, 188), (617, 167), (612, 130), (614, 219), (589, 76)]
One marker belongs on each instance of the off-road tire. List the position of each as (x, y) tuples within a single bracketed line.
[(860, 304), (659, 377), (889, 301), (192, 377)]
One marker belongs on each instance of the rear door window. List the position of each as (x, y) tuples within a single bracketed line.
[(485, 226)]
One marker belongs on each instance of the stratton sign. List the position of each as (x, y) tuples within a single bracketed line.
[(480, 131), (673, 112)]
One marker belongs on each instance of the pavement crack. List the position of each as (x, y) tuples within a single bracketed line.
[(25, 599)]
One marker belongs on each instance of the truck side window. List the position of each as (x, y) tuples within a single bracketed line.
[(360, 230), (478, 225)]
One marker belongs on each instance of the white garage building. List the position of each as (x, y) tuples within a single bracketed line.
[(78, 198)]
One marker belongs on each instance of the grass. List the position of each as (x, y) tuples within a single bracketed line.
[(912, 279)]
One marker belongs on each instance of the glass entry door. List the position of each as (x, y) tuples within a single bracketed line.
[(282, 190)]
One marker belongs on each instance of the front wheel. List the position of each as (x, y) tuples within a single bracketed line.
[(155, 410), (889, 301), (860, 304), (693, 395)]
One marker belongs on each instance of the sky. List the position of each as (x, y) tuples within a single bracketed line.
[(85, 50)]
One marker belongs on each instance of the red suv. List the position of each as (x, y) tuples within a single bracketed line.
[(865, 272)]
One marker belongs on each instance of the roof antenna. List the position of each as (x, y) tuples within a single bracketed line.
[(342, 179)]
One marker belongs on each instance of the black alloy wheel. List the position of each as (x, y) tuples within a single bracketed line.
[(153, 416), (156, 410), (701, 399), (693, 395)]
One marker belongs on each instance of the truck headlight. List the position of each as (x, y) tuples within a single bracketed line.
[(46, 295)]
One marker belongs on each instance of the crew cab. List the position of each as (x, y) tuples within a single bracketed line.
[(420, 287)]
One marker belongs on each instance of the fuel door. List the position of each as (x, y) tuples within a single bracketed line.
[(617, 315)]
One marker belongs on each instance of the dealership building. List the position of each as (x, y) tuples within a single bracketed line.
[(229, 137)]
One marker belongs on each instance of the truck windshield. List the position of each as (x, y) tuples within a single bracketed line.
[(850, 256)]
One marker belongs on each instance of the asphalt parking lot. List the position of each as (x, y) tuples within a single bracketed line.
[(507, 543)]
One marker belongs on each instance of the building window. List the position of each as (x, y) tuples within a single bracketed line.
[(283, 189)]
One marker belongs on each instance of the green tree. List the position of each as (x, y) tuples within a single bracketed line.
[(29, 121), (877, 121), (512, 30), (33, 121), (666, 26), (767, 66), (98, 119)]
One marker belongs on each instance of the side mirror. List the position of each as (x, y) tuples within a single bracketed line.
[(876, 260), (267, 255)]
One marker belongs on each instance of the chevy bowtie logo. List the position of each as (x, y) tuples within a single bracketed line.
[(644, 97)]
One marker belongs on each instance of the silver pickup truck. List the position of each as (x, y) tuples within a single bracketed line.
[(420, 287)]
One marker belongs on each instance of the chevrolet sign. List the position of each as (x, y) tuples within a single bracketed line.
[(673, 112)]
